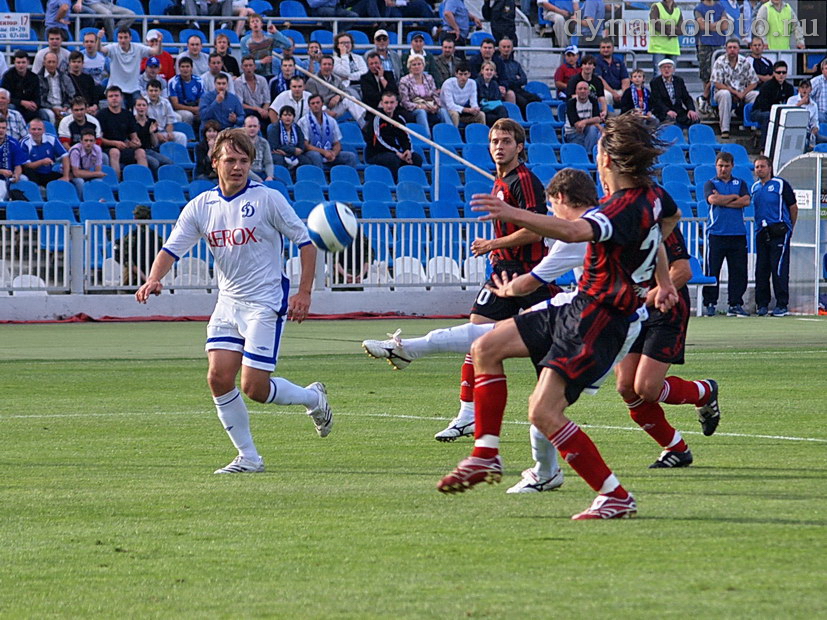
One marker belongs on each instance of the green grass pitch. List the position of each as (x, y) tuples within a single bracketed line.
[(110, 509)]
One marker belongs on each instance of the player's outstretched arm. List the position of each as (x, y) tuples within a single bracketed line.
[(298, 306), (160, 267), (665, 296), (554, 227)]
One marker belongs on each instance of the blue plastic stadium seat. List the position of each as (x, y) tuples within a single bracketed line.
[(52, 237), (98, 191), (672, 134), (739, 154), (133, 5), (412, 174), (322, 37), (476, 133), (701, 134), (543, 133), (411, 192), (94, 211), (545, 172), (539, 112), (21, 210), (515, 114), (448, 193), (343, 191), (377, 192), (174, 173), (673, 156), (702, 209), (62, 191), (199, 186), (133, 191), (311, 173), (186, 33), (291, 8), (378, 174), (679, 192), (479, 155), (476, 187), (675, 174), (303, 208), (308, 190), (139, 174), (178, 154), (280, 173), (445, 134), (410, 209), (442, 209), (170, 191), (345, 173), (299, 44), (374, 210), (702, 154), (576, 156), (31, 190), (124, 210), (352, 138), (279, 187), (542, 154), (540, 89)]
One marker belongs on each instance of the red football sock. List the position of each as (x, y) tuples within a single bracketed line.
[(466, 386), (580, 452), (677, 391), (490, 396), (650, 417)]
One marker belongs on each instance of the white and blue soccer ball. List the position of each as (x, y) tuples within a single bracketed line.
[(332, 226)]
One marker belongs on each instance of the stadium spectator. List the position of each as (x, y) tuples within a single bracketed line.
[(776, 211), (57, 17), (136, 251), (665, 26), (558, 12), (261, 45), (324, 138), (243, 11), (16, 124), (43, 151), (120, 133), (329, 8), (280, 82), (160, 109), (760, 64), (419, 95), (375, 81), (776, 91), (23, 86), (735, 10), (71, 128), (209, 8), (446, 62), (335, 104), (222, 48), (487, 50), (489, 94), (208, 78), (735, 83), (590, 20), (386, 144), (726, 235), (587, 74), (510, 74), (200, 60), (390, 59), (288, 51), (95, 63), (86, 160), (583, 118), (805, 101), (314, 57), (459, 97), (56, 90), (166, 63), (567, 70), (12, 158), (347, 66), (147, 130), (819, 94), (296, 97), (125, 62), (221, 105), (501, 14), (637, 97), (612, 71), (261, 168), (185, 92), (712, 21), (204, 151), (671, 102), (152, 72), (456, 20), (411, 9), (252, 89), (83, 83), (106, 10), (54, 41), (784, 30), (418, 49), (287, 141)]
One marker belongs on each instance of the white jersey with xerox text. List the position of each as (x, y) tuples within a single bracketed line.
[(244, 233)]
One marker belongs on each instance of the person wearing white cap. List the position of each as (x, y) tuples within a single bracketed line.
[(391, 61), (107, 9), (671, 101)]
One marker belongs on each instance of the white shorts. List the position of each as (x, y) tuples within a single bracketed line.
[(251, 329)]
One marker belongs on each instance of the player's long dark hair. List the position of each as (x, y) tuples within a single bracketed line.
[(630, 141)]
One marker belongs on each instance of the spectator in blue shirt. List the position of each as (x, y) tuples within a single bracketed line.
[(57, 16), (726, 236), (44, 151), (221, 105), (457, 20), (612, 71), (776, 211), (185, 91), (713, 24), (12, 158), (558, 12)]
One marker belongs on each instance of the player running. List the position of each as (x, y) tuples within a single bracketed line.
[(513, 250), (243, 223), (590, 333)]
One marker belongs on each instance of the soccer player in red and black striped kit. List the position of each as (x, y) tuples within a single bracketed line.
[(513, 249), (641, 376), (591, 332)]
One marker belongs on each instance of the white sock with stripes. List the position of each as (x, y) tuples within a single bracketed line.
[(451, 340), (233, 415), (282, 392)]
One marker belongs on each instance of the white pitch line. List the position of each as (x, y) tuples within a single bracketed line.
[(377, 415)]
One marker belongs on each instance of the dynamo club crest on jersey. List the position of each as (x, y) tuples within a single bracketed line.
[(247, 209)]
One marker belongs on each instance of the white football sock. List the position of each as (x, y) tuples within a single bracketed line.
[(233, 415), (466, 411), (544, 453), (451, 340), (282, 392)]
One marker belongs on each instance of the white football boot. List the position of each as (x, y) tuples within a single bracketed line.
[(531, 483), (392, 350), (240, 465), (322, 414)]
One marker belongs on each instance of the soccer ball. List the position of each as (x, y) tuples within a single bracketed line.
[(332, 226)]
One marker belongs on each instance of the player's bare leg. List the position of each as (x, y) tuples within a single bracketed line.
[(490, 396), (546, 411)]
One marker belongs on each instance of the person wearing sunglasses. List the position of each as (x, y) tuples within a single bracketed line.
[(775, 91)]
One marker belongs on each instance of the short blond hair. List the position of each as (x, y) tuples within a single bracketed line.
[(235, 138), (413, 58)]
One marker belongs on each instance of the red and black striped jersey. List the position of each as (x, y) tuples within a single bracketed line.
[(522, 189), (620, 260)]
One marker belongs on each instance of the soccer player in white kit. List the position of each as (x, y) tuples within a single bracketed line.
[(243, 223)]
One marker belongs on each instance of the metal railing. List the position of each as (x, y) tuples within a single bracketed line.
[(32, 256)]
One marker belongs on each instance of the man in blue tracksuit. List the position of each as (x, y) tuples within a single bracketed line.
[(776, 210), (726, 236)]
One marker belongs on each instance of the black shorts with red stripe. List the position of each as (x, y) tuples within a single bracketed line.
[(536, 330), (497, 308), (663, 336), (587, 339)]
